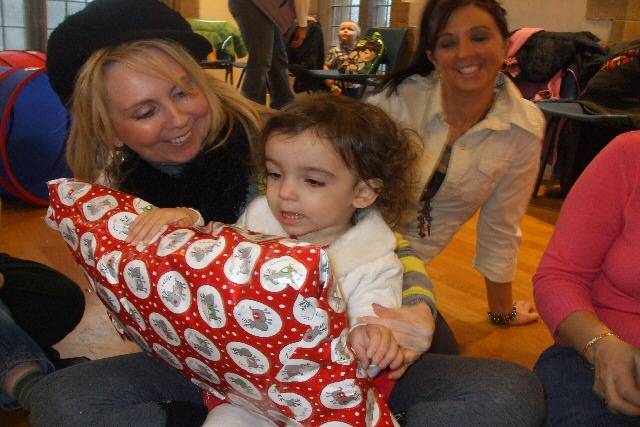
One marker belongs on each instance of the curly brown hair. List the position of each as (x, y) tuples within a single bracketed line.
[(369, 142)]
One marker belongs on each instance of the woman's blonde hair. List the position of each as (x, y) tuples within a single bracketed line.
[(89, 148)]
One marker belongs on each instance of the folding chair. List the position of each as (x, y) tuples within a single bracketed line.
[(573, 110), (227, 41), (609, 105), (224, 62)]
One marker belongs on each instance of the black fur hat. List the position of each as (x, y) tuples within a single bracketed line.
[(105, 23)]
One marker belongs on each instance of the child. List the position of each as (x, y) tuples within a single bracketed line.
[(348, 34), (334, 169)]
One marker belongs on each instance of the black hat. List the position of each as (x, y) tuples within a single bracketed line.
[(105, 23)]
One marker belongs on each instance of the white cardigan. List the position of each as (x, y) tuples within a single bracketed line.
[(363, 260)]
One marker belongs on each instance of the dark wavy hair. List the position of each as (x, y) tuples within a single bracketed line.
[(434, 18), (369, 142)]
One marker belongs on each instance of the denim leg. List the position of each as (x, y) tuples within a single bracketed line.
[(258, 34), (446, 390), (568, 380), (281, 93), (16, 348), (117, 391)]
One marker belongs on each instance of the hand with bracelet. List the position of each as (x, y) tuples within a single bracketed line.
[(616, 363)]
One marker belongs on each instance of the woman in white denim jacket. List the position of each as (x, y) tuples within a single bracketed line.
[(455, 97)]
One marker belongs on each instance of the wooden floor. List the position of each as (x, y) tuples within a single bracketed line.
[(460, 289)]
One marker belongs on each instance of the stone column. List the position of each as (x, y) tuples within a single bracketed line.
[(406, 14)]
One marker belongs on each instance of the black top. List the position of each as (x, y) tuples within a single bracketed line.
[(216, 183)]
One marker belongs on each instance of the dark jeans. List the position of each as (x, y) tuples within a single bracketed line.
[(444, 342), (438, 390), (131, 390), (43, 302), (445, 390), (568, 385)]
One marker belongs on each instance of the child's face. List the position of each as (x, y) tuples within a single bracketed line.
[(310, 190), (348, 32), (367, 55)]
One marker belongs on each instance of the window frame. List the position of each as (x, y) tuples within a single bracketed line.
[(367, 16), (35, 23)]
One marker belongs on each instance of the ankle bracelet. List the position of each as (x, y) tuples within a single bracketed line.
[(503, 319)]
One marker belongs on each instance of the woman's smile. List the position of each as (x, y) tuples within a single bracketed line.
[(177, 141)]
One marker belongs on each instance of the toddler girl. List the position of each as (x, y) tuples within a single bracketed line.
[(338, 174)]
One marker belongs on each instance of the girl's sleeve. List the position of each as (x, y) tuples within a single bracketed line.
[(416, 284)]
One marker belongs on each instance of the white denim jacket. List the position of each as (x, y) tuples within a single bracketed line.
[(493, 167)]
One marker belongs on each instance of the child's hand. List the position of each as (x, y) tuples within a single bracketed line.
[(375, 345), (148, 224)]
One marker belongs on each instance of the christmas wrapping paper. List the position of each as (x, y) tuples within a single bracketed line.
[(252, 319)]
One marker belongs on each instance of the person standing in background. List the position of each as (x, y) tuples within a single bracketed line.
[(265, 26)]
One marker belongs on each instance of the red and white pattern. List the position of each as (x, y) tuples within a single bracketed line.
[(250, 318)]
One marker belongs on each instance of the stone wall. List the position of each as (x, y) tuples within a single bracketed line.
[(611, 20), (624, 14)]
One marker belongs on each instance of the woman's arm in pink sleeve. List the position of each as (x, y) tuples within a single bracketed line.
[(590, 220)]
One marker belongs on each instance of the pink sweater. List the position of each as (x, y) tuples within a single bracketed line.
[(593, 259)]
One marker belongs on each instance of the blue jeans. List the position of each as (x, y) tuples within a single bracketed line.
[(121, 391), (267, 55), (16, 348), (446, 390), (568, 380), (440, 390)]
